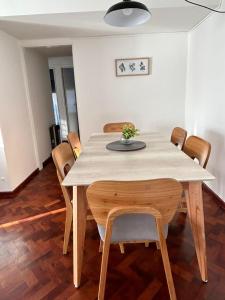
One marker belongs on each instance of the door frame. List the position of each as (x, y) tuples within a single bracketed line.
[(78, 129), (35, 44)]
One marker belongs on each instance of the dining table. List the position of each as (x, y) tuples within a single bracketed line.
[(159, 159)]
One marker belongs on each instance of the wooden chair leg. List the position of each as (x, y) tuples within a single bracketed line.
[(146, 244), (157, 245), (100, 246), (104, 264), (186, 194), (68, 224), (166, 262), (183, 204), (122, 250)]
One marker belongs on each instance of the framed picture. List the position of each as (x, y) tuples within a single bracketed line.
[(133, 66)]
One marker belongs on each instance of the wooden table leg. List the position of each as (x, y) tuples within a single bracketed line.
[(79, 228), (196, 215)]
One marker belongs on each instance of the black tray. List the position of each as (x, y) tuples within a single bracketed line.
[(118, 146)]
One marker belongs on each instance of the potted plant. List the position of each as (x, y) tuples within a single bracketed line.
[(127, 133)]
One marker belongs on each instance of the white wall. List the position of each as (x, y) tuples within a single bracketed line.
[(205, 109), (155, 102), (39, 87), (19, 161)]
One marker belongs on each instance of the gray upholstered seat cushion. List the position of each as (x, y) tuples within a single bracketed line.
[(133, 227)]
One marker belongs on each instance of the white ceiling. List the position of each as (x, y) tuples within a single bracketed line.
[(173, 18), (30, 7)]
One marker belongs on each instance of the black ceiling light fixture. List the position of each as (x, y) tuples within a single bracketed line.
[(127, 13)]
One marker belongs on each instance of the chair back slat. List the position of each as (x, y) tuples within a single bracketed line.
[(196, 147), (63, 159), (116, 127), (74, 142), (178, 136), (161, 194)]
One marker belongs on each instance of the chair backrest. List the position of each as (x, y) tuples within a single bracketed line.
[(116, 127), (63, 159), (178, 136), (160, 194), (74, 142), (196, 147)]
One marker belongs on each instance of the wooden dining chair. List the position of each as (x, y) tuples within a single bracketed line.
[(178, 137), (196, 148), (75, 144), (64, 159), (134, 211), (116, 127)]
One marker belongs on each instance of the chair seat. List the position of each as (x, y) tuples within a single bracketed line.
[(133, 227)]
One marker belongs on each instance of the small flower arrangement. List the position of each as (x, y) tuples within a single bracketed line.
[(129, 132)]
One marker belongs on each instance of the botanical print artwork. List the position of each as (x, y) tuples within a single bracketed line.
[(133, 66)]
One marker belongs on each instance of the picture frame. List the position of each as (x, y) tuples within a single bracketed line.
[(140, 66)]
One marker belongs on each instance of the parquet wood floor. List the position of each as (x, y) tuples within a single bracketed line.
[(32, 265)]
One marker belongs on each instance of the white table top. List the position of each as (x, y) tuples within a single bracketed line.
[(160, 159)]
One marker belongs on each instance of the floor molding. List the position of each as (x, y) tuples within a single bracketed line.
[(218, 200), (13, 193)]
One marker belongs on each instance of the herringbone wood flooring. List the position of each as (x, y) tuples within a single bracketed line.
[(32, 265)]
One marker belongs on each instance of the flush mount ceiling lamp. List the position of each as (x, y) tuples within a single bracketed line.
[(127, 13)]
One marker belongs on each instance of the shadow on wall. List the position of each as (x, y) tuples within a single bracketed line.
[(216, 163)]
